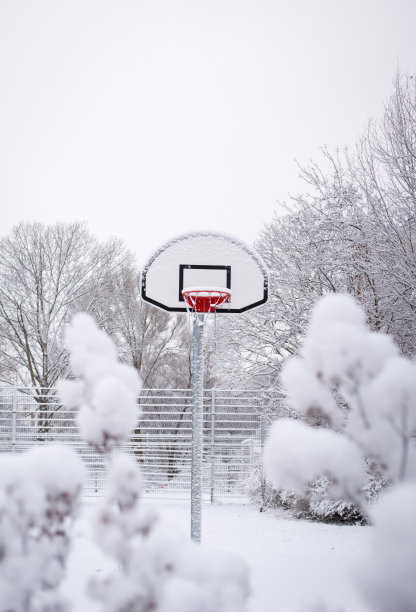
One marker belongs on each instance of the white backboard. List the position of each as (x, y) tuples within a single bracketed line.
[(205, 259)]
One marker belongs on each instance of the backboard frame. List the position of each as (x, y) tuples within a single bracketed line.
[(186, 264)]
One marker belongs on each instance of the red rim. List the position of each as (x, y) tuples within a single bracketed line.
[(205, 300)]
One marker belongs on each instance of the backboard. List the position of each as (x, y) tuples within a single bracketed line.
[(205, 259)]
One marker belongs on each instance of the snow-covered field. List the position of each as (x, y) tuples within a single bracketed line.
[(292, 562)]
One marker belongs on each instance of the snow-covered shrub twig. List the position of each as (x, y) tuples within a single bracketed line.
[(358, 400), (105, 391), (354, 381), (39, 494), (159, 569)]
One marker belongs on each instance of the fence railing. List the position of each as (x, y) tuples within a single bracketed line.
[(235, 427)]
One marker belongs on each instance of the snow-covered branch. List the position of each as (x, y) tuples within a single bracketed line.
[(365, 397)]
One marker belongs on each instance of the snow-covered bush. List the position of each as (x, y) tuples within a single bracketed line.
[(313, 504), (358, 400), (387, 578), (318, 505), (39, 494), (352, 381), (260, 490), (159, 569), (106, 390)]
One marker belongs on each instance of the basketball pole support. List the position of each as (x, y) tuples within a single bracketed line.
[(197, 425)]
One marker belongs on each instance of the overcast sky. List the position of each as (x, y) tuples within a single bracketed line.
[(151, 118)]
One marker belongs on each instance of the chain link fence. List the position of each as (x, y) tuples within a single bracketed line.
[(235, 427)]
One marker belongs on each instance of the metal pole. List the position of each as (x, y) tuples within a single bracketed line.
[(212, 448), (197, 426)]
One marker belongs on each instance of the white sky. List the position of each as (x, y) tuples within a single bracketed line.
[(150, 118)]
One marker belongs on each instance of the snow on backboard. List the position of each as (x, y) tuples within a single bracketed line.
[(205, 259)]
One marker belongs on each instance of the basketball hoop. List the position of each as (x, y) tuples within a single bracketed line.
[(205, 299), (193, 273)]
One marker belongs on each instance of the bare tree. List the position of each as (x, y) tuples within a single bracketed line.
[(151, 340), (46, 274), (386, 173), (353, 231), (318, 248)]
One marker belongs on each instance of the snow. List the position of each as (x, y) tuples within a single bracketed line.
[(107, 391), (376, 393), (207, 291), (293, 563), (389, 579), (295, 454), (125, 481), (37, 502), (338, 344), (391, 396), (345, 363), (336, 308), (152, 562), (210, 235), (311, 394), (65, 481)]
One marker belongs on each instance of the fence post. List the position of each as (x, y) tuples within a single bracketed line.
[(14, 417), (262, 432), (212, 447)]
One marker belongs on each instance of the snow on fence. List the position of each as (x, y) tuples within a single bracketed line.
[(235, 427)]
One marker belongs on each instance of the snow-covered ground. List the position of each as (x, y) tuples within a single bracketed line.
[(292, 562)]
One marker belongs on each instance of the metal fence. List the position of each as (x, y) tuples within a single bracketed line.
[(235, 426)]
